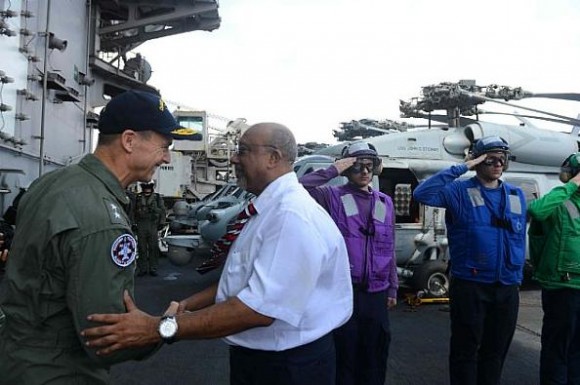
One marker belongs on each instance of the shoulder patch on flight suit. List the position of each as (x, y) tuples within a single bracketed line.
[(124, 250)]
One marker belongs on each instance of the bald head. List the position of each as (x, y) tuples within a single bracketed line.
[(278, 136), (266, 151)]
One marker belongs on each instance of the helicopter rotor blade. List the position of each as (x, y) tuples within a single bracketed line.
[(484, 98), (572, 122), (443, 118), (562, 96), (427, 125)]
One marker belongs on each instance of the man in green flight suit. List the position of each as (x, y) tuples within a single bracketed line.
[(73, 252), (554, 240), (149, 217)]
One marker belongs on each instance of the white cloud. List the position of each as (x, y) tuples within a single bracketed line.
[(311, 64)]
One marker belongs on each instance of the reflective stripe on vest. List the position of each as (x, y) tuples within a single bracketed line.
[(350, 208), (475, 197), (572, 210), (515, 204), (349, 205), (380, 212)]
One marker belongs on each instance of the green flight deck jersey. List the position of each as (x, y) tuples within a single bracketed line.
[(554, 237), (73, 254)]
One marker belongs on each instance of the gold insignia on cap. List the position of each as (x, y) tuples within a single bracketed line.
[(184, 131), (161, 105)]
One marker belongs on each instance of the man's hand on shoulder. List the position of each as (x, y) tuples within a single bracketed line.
[(344, 164)]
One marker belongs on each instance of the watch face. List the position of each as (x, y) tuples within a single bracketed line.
[(168, 327)]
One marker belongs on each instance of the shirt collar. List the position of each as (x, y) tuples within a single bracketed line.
[(94, 166), (276, 188)]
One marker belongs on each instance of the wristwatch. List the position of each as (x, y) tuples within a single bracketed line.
[(168, 328)]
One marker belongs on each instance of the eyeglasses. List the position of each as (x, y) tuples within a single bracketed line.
[(243, 149), (494, 161), (358, 168)]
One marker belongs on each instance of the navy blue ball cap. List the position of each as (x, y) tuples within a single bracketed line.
[(142, 111)]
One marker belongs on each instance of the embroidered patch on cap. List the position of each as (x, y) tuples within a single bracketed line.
[(124, 250)]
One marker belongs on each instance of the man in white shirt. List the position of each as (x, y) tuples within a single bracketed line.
[(285, 285)]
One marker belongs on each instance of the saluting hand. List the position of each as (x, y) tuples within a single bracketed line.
[(471, 163), (132, 329), (343, 164)]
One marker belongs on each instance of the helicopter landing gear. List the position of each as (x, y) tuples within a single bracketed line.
[(431, 278)]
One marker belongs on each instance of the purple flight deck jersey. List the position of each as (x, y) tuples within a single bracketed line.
[(367, 223)]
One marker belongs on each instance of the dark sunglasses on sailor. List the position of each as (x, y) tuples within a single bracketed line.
[(495, 161), (358, 167)]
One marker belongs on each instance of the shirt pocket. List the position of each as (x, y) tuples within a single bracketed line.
[(238, 264)]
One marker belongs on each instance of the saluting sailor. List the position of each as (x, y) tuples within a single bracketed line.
[(486, 226)]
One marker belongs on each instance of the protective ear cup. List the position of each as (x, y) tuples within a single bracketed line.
[(507, 162), (378, 168), (377, 163), (570, 167), (565, 176)]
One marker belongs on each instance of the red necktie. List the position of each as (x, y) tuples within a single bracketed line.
[(221, 247)]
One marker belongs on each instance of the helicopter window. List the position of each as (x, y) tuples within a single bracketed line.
[(399, 185)]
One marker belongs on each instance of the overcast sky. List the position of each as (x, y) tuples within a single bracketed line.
[(311, 64)]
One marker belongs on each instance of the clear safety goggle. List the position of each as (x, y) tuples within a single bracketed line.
[(495, 161)]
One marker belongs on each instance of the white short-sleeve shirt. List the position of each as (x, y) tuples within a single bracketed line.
[(289, 263)]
